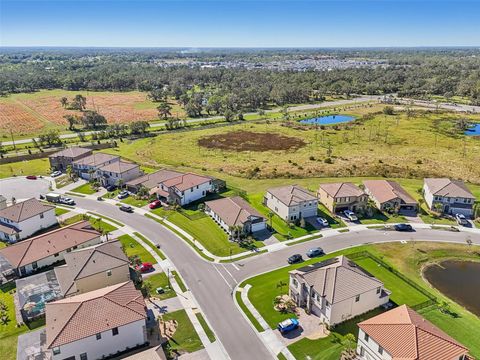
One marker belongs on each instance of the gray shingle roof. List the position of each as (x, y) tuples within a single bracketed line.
[(24, 210), (291, 194)]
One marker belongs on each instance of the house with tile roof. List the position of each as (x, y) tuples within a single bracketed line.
[(390, 195), (342, 196), (87, 167), (336, 290), (96, 324), (118, 172), (291, 202), (184, 188), (151, 181), (23, 219), (28, 256), (235, 211), (92, 268), (403, 334), (452, 196), (62, 159)]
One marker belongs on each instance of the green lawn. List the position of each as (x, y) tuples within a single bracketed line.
[(133, 248), (381, 217), (430, 219), (179, 281), (149, 243), (206, 328), (185, 338), (160, 280), (23, 168), (328, 348), (84, 189), (60, 211), (253, 320), (131, 200)]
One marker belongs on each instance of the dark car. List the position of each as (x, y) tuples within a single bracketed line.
[(295, 259), (31, 177), (110, 188), (314, 252), (126, 208), (403, 227)]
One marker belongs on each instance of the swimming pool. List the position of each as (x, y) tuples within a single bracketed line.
[(328, 120), (474, 130)]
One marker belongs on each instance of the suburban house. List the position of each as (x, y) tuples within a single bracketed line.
[(291, 202), (96, 324), (93, 268), (28, 256), (336, 290), (452, 196), (88, 166), (389, 195), (184, 188), (151, 181), (342, 196), (118, 173), (60, 160), (403, 334), (235, 211), (23, 219)]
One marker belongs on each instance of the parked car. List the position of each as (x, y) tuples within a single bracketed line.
[(350, 215), (31, 177), (67, 201), (110, 188), (155, 204), (56, 173), (123, 194), (403, 227), (461, 219), (145, 267), (287, 325), (295, 259), (322, 221), (314, 252), (126, 208)]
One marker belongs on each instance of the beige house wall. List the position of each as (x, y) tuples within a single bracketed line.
[(101, 280)]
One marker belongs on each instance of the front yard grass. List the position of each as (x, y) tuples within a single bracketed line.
[(206, 328), (185, 338), (133, 248), (131, 200), (160, 280), (152, 246), (62, 181), (179, 281), (86, 189), (60, 211)]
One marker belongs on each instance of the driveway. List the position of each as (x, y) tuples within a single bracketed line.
[(22, 188), (31, 345)]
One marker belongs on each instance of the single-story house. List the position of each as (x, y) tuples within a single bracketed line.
[(185, 188), (62, 159), (403, 334), (336, 290), (92, 268), (88, 166), (118, 173), (235, 211), (23, 219), (96, 324), (389, 195), (28, 256), (342, 196), (151, 181), (452, 196), (291, 202)]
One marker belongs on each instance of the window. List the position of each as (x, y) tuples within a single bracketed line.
[(56, 350), (55, 255), (362, 351), (380, 350), (41, 216), (366, 337), (109, 272), (115, 331), (295, 282), (378, 290), (357, 298), (191, 190), (99, 336), (83, 356), (34, 265)]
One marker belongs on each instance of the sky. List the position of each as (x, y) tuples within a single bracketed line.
[(239, 23)]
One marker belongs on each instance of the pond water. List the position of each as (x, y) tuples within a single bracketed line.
[(458, 280), (473, 131), (328, 120)]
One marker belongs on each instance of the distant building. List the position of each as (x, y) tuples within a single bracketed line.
[(403, 334), (23, 219), (452, 196), (185, 188), (291, 202), (118, 172), (87, 167), (389, 195), (342, 196), (62, 159), (151, 181), (336, 290)]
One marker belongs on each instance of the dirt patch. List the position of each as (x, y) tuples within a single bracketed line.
[(250, 141)]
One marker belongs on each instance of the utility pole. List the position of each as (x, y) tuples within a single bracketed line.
[(13, 141)]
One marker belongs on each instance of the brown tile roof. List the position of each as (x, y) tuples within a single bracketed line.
[(24, 210), (84, 315), (448, 188), (232, 210), (186, 181), (96, 159), (71, 152), (337, 279), (386, 190), (406, 335), (89, 261), (153, 179), (27, 251), (343, 189), (292, 194)]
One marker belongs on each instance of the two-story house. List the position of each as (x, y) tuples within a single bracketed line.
[(403, 334), (87, 167), (118, 173), (342, 196), (62, 159), (336, 290), (389, 195), (96, 324), (151, 181), (23, 219), (291, 202), (452, 196), (185, 188)]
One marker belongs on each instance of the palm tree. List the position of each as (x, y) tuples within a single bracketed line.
[(164, 110), (349, 341), (438, 207)]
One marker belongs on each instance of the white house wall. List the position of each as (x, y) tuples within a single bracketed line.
[(370, 349), (31, 225)]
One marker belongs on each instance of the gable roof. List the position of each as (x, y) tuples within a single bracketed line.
[(71, 152), (119, 167), (27, 251), (96, 159), (24, 210), (233, 210), (448, 188), (152, 180), (337, 279), (406, 335), (84, 315), (386, 190), (186, 181), (86, 262), (291, 194), (342, 189)]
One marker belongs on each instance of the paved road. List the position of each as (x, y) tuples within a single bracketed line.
[(22, 188)]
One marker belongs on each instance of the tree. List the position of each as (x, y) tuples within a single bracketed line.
[(79, 102), (349, 342), (139, 127), (438, 207), (388, 110), (229, 115), (70, 173), (72, 120), (64, 102), (157, 95), (50, 138), (164, 110), (93, 120), (270, 217)]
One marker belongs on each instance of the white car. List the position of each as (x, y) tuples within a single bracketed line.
[(322, 221), (350, 215), (67, 201), (461, 219), (56, 173)]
